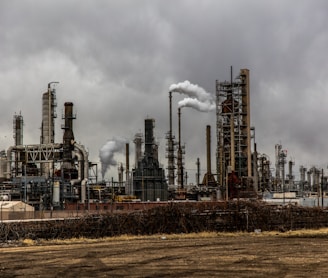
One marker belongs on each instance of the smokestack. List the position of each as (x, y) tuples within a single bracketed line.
[(179, 162), (208, 148), (18, 129), (120, 174), (198, 171), (127, 160), (68, 137), (170, 146), (149, 137), (170, 98), (208, 179), (179, 126), (128, 189)]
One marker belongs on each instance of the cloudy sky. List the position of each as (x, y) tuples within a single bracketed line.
[(115, 60)]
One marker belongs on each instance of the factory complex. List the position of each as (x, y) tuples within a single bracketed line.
[(53, 175)]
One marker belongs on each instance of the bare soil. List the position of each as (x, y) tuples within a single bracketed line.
[(245, 255)]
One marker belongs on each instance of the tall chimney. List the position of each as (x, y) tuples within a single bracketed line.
[(68, 137), (198, 172), (18, 129), (170, 147), (208, 148), (127, 160), (128, 189), (179, 156), (208, 179), (149, 137)]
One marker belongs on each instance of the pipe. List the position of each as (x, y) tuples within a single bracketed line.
[(78, 180), (83, 192), (77, 154), (84, 158)]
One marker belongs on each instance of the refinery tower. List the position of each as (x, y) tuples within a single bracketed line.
[(234, 158)]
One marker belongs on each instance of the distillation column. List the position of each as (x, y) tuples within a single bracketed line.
[(48, 123), (48, 115)]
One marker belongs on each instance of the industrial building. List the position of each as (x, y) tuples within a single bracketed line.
[(58, 175), (149, 182), (48, 174)]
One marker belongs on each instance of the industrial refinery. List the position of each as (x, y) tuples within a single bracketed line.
[(53, 175)]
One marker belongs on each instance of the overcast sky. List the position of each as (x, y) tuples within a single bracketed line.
[(115, 60)]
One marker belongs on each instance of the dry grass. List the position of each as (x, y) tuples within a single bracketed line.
[(28, 242), (323, 232), (299, 233)]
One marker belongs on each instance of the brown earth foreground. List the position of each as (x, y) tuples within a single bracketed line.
[(292, 254)]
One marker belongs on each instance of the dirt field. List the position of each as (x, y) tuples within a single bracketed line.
[(245, 255)]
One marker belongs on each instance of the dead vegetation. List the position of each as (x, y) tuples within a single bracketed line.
[(175, 218)]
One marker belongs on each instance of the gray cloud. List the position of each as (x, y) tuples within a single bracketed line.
[(115, 60)]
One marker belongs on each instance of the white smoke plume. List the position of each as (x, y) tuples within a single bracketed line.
[(198, 98), (106, 153), (196, 104)]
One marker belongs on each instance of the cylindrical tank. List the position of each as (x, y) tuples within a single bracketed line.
[(56, 193)]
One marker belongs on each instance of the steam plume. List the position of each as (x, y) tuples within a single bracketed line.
[(197, 98), (106, 153), (196, 104)]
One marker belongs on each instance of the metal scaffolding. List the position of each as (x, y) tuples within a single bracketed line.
[(233, 128)]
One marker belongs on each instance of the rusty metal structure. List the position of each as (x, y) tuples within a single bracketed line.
[(233, 129)]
